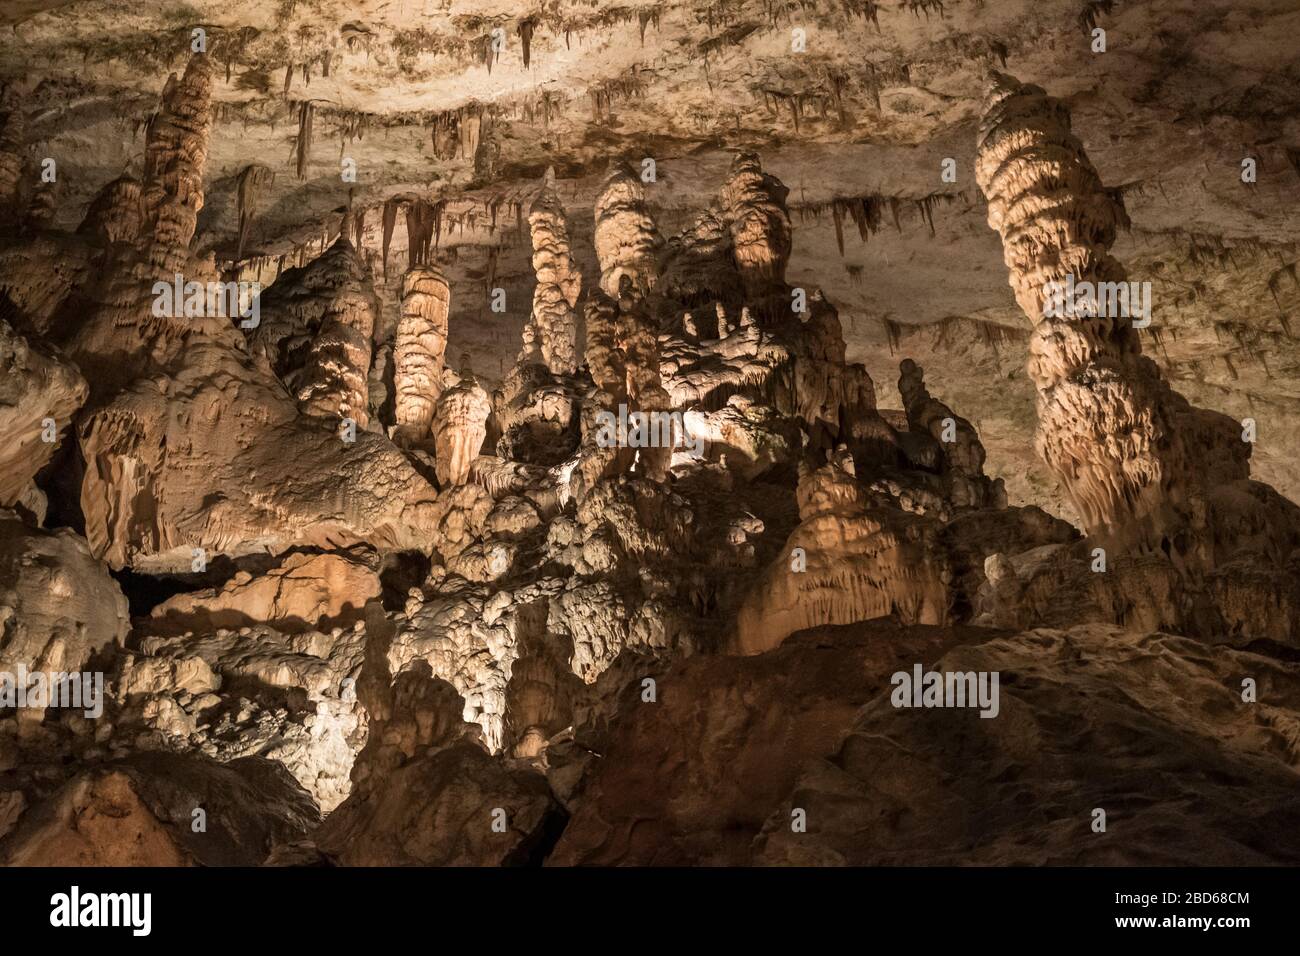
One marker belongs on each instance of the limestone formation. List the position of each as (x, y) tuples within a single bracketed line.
[(316, 328), (421, 342), (460, 426), (154, 454), (363, 606), (126, 332), (551, 334), (59, 609), (38, 395), (1108, 424), (626, 240), (846, 562), (758, 222), (141, 811)]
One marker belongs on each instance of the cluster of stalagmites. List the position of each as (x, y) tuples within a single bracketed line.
[(419, 610)]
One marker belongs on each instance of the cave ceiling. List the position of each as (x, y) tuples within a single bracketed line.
[(857, 123)]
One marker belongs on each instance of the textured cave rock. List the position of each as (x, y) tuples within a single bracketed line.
[(1151, 728), (421, 343), (225, 423), (857, 563), (140, 811), (459, 425), (121, 335), (59, 608), (38, 395), (1147, 470), (626, 239), (551, 333), (387, 610), (427, 793), (1135, 456), (317, 327)]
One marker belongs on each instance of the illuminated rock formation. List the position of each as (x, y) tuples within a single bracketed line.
[(1122, 443), (758, 222), (38, 395), (848, 560), (626, 240), (421, 343), (222, 421), (125, 332), (316, 328), (59, 608), (551, 334), (460, 425), (426, 794)]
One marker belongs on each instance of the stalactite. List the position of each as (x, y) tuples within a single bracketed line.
[(253, 179), (305, 110), (420, 220), (390, 222), (526, 27), (359, 228)]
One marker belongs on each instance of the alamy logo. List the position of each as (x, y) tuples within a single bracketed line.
[(1073, 300), (946, 689), (181, 299), (39, 690), (103, 909), (646, 430)]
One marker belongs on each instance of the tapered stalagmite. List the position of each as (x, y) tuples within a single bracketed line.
[(421, 343), (316, 328), (759, 224), (176, 155), (626, 240), (1107, 421), (170, 196), (460, 426), (634, 337), (551, 333)]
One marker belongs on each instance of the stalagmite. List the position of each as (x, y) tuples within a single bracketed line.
[(638, 593), (758, 222), (552, 330), (123, 303), (626, 241), (1108, 425), (175, 157), (460, 426), (316, 327), (421, 342), (846, 561)]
